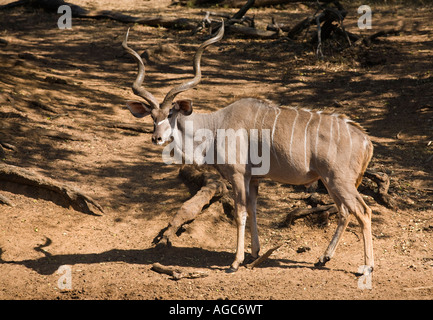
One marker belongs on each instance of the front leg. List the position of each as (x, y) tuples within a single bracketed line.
[(252, 204), (240, 189), (241, 218)]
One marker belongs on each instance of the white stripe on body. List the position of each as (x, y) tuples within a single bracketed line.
[(330, 138), (350, 136), (291, 138), (273, 132), (305, 140), (317, 134)]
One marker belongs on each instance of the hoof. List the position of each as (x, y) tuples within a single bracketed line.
[(231, 270), (322, 261), (163, 246), (364, 270), (250, 259)]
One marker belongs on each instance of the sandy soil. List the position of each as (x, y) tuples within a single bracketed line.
[(84, 77)]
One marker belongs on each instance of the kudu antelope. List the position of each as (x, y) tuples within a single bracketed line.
[(304, 146)]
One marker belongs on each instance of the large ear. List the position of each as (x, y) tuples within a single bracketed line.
[(184, 106), (138, 109)]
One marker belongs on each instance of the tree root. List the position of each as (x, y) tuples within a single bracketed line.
[(177, 274), (6, 201), (382, 181), (74, 197), (326, 211), (263, 257), (210, 186)]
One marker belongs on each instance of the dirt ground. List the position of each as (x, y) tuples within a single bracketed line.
[(61, 91)]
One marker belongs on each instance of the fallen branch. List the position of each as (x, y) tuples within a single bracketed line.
[(177, 274), (299, 27), (235, 25), (79, 12), (6, 201), (243, 9), (278, 27), (382, 181), (262, 258), (253, 32), (210, 186), (264, 3), (418, 288), (298, 213), (273, 30), (383, 33), (75, 198)]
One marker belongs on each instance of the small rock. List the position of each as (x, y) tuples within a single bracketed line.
[(303, 249)]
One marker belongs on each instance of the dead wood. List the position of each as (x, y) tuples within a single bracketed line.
[(323, 19), (159, 21), (8, 146), (382, 181), (235, 24), (252, 32), (299, 27), (418, 288), (262, 258), (79, 12), (177, 274), (6, 201), (75, 198), (209, 184), (383, 33), (240, 3), (327, 16), (243, 9), (279, 27), (298, 213), (319, 203)]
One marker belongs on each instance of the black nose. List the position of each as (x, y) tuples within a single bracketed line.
[(155, 140)]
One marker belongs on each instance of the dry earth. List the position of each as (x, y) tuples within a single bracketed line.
[(61, 89)]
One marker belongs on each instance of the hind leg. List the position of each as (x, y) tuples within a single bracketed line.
[(348, 200), (251, 208), (343, 220), (363, 215)]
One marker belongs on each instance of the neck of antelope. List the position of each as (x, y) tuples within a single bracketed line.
[(193, 138)]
